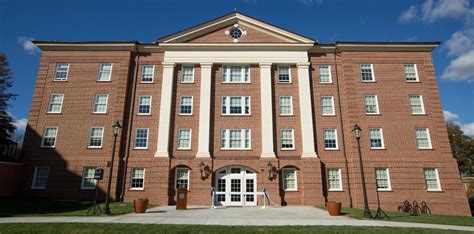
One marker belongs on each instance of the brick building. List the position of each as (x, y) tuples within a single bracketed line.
[(239, 104)]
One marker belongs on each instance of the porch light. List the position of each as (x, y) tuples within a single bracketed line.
[(357, 130), (272, 172), (116, 127), (205, 170)]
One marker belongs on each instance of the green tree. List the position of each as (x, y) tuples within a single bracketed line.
[(6, 121), (462, 147)]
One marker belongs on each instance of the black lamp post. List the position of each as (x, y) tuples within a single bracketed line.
[(357, 131), (106, 209)]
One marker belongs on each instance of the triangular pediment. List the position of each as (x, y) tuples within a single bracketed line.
[(218, 30)]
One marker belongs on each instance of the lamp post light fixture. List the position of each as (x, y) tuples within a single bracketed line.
[(205, 170), (357, 132), (272, 172), (116, 128)]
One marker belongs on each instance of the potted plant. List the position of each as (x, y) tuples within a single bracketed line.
[(334, 208), (140, 205)]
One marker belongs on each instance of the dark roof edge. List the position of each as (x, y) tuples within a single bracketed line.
[(87, 42), (388, 43)]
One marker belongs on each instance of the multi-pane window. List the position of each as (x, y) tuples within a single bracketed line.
[(40, 178), (324, 72), (235, 139), (235, 105), (62, 70), (100, 103), (376, 138), (144, 105), (186, 105), (411, 74), (286, 105), (423, 138), (330, 139), (235, 74), (88, 181), (432, 179), (95, 137), (416, 104), (334, 180), (138, 179), (141, 138), (182, 178), (284, 74), (382, 178), (287, 139), (327, 105), (371, 104), (49, 137), (148, 73), (187, 75), (105, 71), (367, 72), (56, 103), (289, 179), (184, 138)]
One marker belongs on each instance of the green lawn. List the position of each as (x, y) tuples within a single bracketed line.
[(43, 207), (154, 228), (421, 218)]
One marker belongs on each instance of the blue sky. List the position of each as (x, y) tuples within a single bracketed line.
[(449, 21)]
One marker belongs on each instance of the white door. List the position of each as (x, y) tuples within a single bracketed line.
[(236, 186)]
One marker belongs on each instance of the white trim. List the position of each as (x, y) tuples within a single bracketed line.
[(291, 105), (176, 177), (55, 137), (296, 178), (336, 136), (56, 71), (437, 180), (131, 178), (242, 101), (180, 104), (292, 138), (428, 136), (101, 66), (147, 138), (182, 73), (381, 138), (138, 109), (166, 97), (332, 105), (35, 177), (204, 110), (339, 178), (376, 105), (388, 179), (416, 73), (190, 139), (422, 104), (289, 74), (95, 103), (330, 75), (226, 80), (101, 138), (371, 71), (83, 178), (50, 103), (306, 113), (152, 74), (242, 139)]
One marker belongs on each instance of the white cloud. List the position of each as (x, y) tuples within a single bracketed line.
[(450, 117), (468, 129), (460, 42), (408, 15), (27, 45), (461, 68), (432, 11)]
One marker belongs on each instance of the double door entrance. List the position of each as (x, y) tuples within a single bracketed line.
[(236, 186)]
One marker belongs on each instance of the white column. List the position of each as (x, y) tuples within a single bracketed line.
[(266, 107), (165, 110), (307, 136), (205, 110)]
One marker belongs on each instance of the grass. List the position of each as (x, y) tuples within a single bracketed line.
[(22, 207), (404, 217), (161, 228)]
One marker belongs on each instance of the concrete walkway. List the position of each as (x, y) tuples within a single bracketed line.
[(251, 216)]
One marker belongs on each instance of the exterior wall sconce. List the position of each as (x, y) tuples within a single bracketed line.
[(205, 170), (272, 171)]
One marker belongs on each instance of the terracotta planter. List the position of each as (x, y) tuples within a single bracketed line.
[(334, 208), (140, 205)]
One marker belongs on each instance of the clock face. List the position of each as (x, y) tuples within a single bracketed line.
[(181, 196), (236, 33)]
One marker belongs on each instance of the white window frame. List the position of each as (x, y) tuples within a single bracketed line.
[(416, 73), (284, 170), (291, 105), (330, 75), (225, 135), (51, 103), (339, 177), (242, 74), (101, 138), (376, 105), (225, 101), (381, 138), (131, 179), (292, 138), (332, 105), (181, 103), (176, 177), (35, 176), (429, 139), (55, 137), (101, 65), (388, 179), (56, 72), (151, 102), (437, 180), (289, 74), (190, 139), (182, 73), (371, 71), (422, 104), (94, 109), (143, 73), (336, 136), (147, 138), (83, 178)]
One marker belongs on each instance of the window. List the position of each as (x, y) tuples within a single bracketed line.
[(148, 72), (371, 105), (187, 75), (235, 139), (330, 139), (423, 138), (95, 137), (367, 72), (105, 71), (286, 105), (416, 104), (88, 181), (100, 103), (235, 74), (334, 180), (144, 105), (327, 105), (184, 138), (138, 179), (40, 178), (141, 138), (376, 138), (235, 105), (186, 105), (324, 72), (432, 179), (289, 179), (287, 139), (62, 70), (284, 74), (56, 103), (49, 137), (182, 178), (411, 73), (382, 179)]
